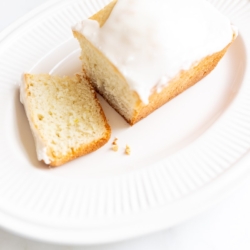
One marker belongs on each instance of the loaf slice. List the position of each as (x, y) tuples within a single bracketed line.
[(65, 117), (114, 86)]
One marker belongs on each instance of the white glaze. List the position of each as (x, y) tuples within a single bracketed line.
[(41, 149), (150, 42)]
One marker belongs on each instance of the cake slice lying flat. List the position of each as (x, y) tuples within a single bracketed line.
[(140, 54), (65, 117)]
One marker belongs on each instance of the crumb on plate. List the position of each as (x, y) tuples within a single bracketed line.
[(115, 141), (115, 148), (127, 150)]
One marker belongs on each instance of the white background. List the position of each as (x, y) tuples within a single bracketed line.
[(224, 227)]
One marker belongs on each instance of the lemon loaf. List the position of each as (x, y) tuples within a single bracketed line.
[(65, 117), (140, 54)]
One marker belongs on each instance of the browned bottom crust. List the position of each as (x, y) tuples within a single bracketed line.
[(86, 149)]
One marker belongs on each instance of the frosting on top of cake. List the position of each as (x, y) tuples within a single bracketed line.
[(150, 42)]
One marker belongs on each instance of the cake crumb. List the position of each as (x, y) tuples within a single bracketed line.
[(115, 141), (127, 150), (115, 148)]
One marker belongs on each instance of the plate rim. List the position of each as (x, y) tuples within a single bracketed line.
[(8, 31), (221, 190)]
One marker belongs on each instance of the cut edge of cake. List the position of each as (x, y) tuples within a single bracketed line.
[(65, 116), (106, 83)]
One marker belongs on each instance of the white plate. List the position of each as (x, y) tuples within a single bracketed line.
[(183, 157)]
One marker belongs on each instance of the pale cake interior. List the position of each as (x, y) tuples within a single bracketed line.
[(66, 114)]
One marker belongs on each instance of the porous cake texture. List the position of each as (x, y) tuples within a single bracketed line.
[(65, 117)]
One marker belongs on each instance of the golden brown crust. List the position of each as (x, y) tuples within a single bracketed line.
[(182, 82), (86, 149), (103, 15)]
